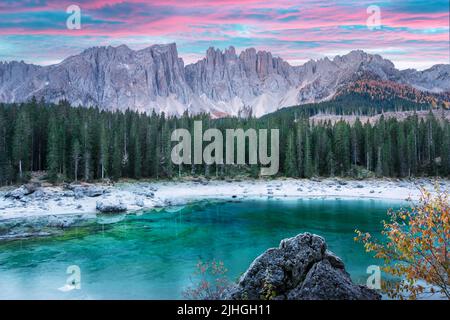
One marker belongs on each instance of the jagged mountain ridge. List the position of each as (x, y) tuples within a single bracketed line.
[(223, 83)]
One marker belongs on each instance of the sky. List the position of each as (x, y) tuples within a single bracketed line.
[(411, 33)]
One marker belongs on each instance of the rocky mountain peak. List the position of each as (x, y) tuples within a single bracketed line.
[(222, 83), (230, 52), (170, 48)]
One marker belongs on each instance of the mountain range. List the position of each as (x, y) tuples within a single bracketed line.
[(223, 83)]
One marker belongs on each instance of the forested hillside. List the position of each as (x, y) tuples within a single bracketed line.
[(90, 144)]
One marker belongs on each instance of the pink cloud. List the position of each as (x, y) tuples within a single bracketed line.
[(281, 26)]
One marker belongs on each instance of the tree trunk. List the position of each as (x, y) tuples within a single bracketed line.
[(76, 170), (367, 161), (86, 167), (20, 169)]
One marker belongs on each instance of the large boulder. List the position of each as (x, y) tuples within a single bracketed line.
[(110, 207), (23, 191), (301, 268), (94, 192), (80, 191)]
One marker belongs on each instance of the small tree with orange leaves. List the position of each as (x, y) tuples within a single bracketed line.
[(416, 249), (212, 283)]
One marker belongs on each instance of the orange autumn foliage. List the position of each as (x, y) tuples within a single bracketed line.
[(417, 247)]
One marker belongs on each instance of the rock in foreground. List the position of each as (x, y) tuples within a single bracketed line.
[(110, 207), (301, 268)]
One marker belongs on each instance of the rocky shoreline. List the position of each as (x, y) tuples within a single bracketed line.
[(34, 199), (40, 210)]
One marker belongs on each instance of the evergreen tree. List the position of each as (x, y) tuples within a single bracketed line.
[(104, 149), (342, 147), (4, 154), (117, 158), (53, 159), (136, 147), (402, 151), (150, 162), (166, 148), (22, 144), (446, 150), (368, 146), (356, 141), (86, 152), (300, 148), (308, 156), (76, 155), (290, 165)]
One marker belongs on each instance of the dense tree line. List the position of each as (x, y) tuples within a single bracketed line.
[(88, 144), (389, 148), (353, 104)]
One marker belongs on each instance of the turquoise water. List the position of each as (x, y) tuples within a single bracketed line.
[(153, 255)]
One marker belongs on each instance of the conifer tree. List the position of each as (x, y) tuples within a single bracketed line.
[(104, 149), (368, 146), (86, 151), (136, 147), (308, 155), (300, 148), (76, 155), (290, 165), (4, 154), (53, 159), (401, 151), (22, 143)]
